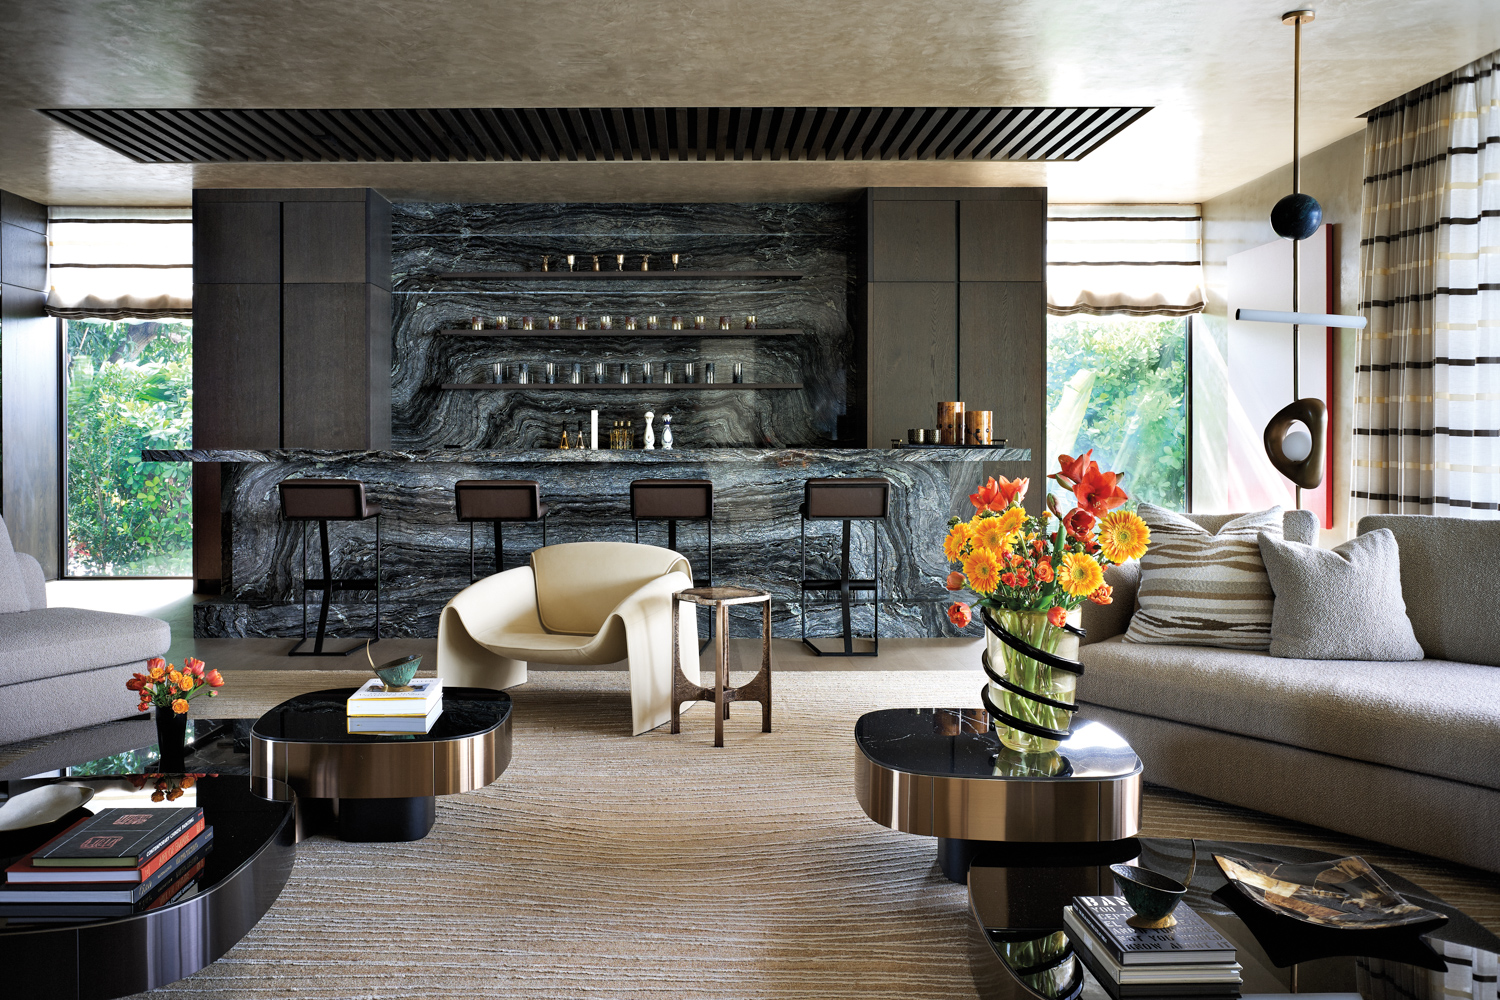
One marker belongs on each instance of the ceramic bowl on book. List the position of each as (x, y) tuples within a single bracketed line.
[(1152, 896), (1344, 893), (397, 674)]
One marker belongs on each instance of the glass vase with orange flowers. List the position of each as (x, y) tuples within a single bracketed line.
[(170, 691), (1032, 576)]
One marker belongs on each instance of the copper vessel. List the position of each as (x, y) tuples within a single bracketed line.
[(951, 420), (979, 426)]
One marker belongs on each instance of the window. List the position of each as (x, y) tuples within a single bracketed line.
[(1119, 385)]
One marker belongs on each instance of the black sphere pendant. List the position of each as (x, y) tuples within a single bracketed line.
[(1296, 217)]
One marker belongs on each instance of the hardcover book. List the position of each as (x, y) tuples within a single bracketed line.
[(181, 887), (372, 699), (1192, 940), (23, 872), (116, 838), (108, 892), (1146, 991), (1083, 937), (395, 725)]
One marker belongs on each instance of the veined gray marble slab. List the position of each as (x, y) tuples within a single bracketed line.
[(584, 456)]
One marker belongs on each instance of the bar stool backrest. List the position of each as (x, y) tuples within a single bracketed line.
[(846, 499), (672, 499), (323, 500), (498, 499)]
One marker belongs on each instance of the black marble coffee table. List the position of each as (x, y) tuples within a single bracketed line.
[(1018, 950), (379, 787), (248, 862), (940, 772)]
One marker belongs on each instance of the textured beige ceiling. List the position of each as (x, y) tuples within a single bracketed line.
[(1217, 73)]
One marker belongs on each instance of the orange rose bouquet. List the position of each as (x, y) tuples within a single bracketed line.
[(1031, 574), (164, 686)]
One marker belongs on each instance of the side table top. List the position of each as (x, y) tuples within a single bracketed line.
[(710, 596), (320, 717)]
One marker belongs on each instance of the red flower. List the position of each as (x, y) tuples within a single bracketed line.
[(955, 581), (1013, 490), (1072, 470), (194, 666), (1022, 577), (1058, 617), (1079, 522), (215, 679), (136, 682), (1044, 572), (959, 615), (1097, 492), (156, 662)]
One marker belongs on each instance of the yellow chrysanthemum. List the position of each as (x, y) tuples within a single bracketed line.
[(982, 570), (998, 533), (1079, 575), (953, 545), (1123, 536)]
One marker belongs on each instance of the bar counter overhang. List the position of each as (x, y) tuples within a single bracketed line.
[(424, 550)]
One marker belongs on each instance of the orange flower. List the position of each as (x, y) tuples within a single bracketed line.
[(959, 615), (1097, 492), (158, 668), (1079, 522), (955, 581), (983, 570), (1123, 536), (1044, 572), (145, 704), (1072, 470), (193, 665), (188, 680), (215, 679), (1057, 617), (1014, 490), (136, 682), (1009, 579), (158, 796), (189, 780), (958, 537), (1104, 595), (180, 706), (1079, 575), (988, 497)]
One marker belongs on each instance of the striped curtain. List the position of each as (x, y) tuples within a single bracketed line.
[(1427, 385), (120, 263), (1124, 260)]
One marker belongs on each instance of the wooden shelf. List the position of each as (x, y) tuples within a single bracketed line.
[(625, 386), (614, 275), (463, 331)]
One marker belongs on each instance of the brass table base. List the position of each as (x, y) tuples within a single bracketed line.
[(719, 600)]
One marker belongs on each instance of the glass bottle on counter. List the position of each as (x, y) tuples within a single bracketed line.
[(666, 432), (565, 445)]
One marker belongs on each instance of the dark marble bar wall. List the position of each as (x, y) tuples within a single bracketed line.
[(425, 551)]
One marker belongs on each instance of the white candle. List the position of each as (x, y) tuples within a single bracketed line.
[(594, 429)]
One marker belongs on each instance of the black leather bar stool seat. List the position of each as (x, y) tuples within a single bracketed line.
[(846, 500), (674, 500), (498, 501), (325, 500)]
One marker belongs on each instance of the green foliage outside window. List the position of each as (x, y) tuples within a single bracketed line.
[(1118, 385), (129, 388)]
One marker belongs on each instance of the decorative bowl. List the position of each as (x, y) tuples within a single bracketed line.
[(398, 673), (1152, 895), (1344, 893), (43, 805)]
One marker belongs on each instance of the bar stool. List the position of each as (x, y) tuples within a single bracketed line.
[(845, 500), (498, 501), (324, 500), (718, 600), (674, 500)]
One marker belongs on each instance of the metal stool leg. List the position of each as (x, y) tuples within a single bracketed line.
[(721, 673), (499, 533), (844, 595)]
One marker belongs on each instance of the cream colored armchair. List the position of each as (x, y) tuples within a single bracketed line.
[(579, 603)]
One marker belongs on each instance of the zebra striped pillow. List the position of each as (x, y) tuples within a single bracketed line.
[(1202, 589)]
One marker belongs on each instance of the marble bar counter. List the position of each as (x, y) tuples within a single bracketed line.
[(425, 551)]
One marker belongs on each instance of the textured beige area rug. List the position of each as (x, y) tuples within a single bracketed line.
[(601, 865)]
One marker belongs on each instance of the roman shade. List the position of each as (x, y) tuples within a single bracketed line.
[(1125, 260), (120, 263)]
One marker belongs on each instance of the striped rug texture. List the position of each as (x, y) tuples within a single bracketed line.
[(601, 865)]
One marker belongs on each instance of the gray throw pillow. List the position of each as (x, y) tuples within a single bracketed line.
[(13, 596), (1339, 604)]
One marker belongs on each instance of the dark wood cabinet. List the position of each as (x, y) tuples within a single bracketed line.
[(1002, 240), (1002, 366), (913, 241), (236, 242), (913, 356), (323, 242), (331, 352), (236, 365)]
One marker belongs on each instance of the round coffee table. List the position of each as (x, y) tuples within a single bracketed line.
[(939, 772), (379, 787), (247, 864)]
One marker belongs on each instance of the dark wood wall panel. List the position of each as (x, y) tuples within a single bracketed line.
[(912, 357), (236, 242), (1002, 366), (23, 257), (324, 242), (913, 241), (31, 418), (236, 366), (378, 236), (1002, 240), (325, 356)]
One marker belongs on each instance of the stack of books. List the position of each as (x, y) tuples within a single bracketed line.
[(372, 709), (1188, 960), (114, 863)]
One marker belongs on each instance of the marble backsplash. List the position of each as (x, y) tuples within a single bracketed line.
[(816, 239)]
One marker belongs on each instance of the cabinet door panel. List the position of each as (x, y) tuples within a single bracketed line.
[(912, 358), (1002, 240), (323, 242), (236, 366), (325, 398), (913, 241), (237, 242), (1002, 366)]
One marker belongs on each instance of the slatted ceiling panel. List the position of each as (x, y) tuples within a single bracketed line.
[(249, 135)]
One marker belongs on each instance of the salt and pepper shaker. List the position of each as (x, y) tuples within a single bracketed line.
[(650, 439), (666, 432)]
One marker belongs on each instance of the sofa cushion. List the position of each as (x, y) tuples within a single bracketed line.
[(1448, 581), (1338, 604), (13, 595), (1203, 588), (71, 640), (1428, 716)]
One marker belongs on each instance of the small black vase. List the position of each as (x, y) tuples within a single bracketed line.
[(171, 738)]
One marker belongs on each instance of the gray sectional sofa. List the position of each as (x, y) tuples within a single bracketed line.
[(1404, 753), (62, 668)]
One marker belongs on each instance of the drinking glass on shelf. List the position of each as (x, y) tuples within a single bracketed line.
[(653, 322), (498, 372), (523, 374), (580, 323), (723, 322), (598, 372), (677, 322), (646, 372), (630, 322), (708, 372), (570, 262), (549, 369), (502, 322), (577, 377), (666, 373), (625, 373), (554, 322), (606, 322), (750, 322), (476, 323), (527, 323), (739, 372), (698, 323), (687, 371)]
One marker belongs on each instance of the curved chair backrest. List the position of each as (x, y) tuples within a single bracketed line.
[(578, 584)]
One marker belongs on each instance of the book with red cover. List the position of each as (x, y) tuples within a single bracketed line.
[(23, 872), (104, 892), (180, 888), (116, 838)]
